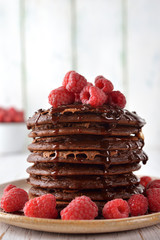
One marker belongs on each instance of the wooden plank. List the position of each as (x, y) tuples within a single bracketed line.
[(16, 233), (3, 230), (10, 57), (144, 64), (99, 40), (48, 48), (150, 233)]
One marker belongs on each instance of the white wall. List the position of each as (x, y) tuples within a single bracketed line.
[(40, 40)]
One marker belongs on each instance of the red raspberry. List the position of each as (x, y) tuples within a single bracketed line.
[(138, 205), (60, 96), (153, 195), (41, 207), (8, 187), (2, 114), (12, 113), (117, 208), (116, 98), (77, 97), (98, 77), (65, 80), (104, 84), (154, 184), (74, 82), (93, 96), (89, 84), (145, 180), (19, 117), (7, 117), (81, 208), (14, 200)]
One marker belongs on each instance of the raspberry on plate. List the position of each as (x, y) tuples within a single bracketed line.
[(153, 195), (154, 184), (14, 200), (8, 187), (41, 207), (117, 208), (138, 204), (104, 84), (60, 96), (74, 82), (145, 180), (81, 208), (93, 96)]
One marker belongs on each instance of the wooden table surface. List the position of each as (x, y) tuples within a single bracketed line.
[(12, 167)]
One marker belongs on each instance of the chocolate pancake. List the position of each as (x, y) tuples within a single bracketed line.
[(89, 182), (82, 128), (95, 195), (75, 182), (85, 113), (70, 169), (78, 142), (88, 157), (80, 150)]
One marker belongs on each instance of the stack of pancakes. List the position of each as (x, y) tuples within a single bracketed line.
[(80, 150)]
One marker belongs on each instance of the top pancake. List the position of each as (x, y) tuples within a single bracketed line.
[(75, 113)]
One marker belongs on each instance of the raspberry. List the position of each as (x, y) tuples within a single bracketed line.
[(8, 187), (14, 200), (104, 84), (138, 205), (89, 84), (7, 117), (74, 82), (117, 208), (93, 96), (12, 113), (153, 195), (66, 77), (2, 114), (145, 180), (81, 208), (154, 184), (19, 117), (116, 98), (98, 77), (41, 207), (60, 96), (77, 97)]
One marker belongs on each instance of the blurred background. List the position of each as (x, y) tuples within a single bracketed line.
[(40, 40)]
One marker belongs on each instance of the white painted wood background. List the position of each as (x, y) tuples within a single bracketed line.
[(40, 40)]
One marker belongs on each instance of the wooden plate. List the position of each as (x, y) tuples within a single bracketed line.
[(72, 226)]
